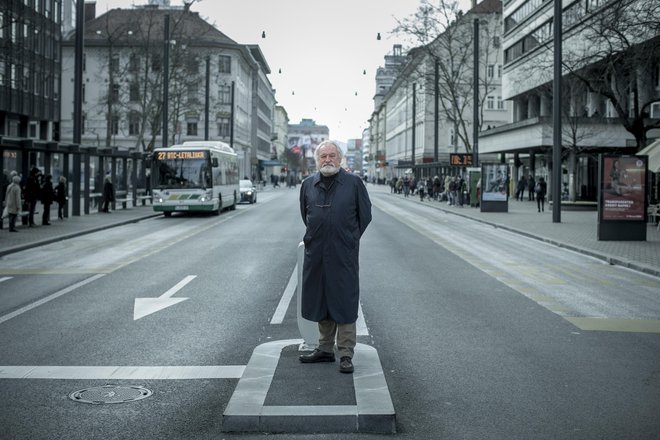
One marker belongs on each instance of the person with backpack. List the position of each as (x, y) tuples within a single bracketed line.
[(47, 198)]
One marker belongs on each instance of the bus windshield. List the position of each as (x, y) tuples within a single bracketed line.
[(182, 169)]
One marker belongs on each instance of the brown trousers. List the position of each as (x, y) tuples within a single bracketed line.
[(346, 335)]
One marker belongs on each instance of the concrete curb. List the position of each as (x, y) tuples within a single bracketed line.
[(62, 237), (246, 411)]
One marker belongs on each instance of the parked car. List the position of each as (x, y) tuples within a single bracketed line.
[(248, 191)]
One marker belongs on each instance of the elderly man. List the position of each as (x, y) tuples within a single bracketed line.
[(13, 202), (336, 210)]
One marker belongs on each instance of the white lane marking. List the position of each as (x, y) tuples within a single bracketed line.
[(280, 311), (50, 297), (125, 372), (5, 279), (147, 306)]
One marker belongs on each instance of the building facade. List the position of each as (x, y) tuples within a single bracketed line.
[(611, 80), (30, 66), (123, 75), (427, 112)]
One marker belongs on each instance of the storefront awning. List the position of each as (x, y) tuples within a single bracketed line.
[(653, 152)]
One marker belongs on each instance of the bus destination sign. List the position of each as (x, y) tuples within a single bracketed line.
[(174, 155), (460, 159)]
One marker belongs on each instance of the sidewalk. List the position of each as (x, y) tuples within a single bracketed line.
[(70, 227), (576, 231)]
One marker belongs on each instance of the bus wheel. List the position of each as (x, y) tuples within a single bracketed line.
[(233, 206), (217, 211), (167, 213)]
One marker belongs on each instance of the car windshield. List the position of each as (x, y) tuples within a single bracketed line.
[(246, 184)]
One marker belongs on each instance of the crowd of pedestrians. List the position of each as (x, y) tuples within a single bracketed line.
[(455, 190), (451, 189), (23, 194)]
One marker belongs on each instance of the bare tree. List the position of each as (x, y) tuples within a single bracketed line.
[(612, 51), (444, 35)]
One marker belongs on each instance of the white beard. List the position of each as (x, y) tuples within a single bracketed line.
[(329, 170)]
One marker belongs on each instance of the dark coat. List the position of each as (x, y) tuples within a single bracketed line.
[(108, 192), (47, 193), (61, 193), (335, 218)]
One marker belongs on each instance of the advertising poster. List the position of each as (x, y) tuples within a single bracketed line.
[(494, 182), (623, 188)]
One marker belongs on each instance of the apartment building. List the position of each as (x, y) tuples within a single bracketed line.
[(30, 64), (427, 112), (123, 74)]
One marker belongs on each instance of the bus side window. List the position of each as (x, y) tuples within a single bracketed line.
[(215, 162)]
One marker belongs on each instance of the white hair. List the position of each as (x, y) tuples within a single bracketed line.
[(325, 143)]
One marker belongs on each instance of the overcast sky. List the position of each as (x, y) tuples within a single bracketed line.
[(322, 46)]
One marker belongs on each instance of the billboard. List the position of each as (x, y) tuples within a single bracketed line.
[(494, 178), (623, 188)]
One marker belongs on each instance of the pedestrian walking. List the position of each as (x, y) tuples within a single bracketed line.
[(520, 189), (541, 189), (61, 197), (421, 189), (13, 202), (47, 198), (108, 194), (531, 186), (336, 210)]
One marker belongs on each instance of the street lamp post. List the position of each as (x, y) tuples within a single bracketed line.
[(556, 116), (475, 106), (166, 77)]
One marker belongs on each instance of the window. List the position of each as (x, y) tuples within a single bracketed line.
[(193, 91), (500, 103), (499, 71), (114, 96), (134, 92), (224, 64), (114, 125), (224, 127), (134, 63), (133, 124), (496, 41), (83, 123), (114, 64), (2, 24), (191, 129), (2, 73), (490, 72), (224, 94), (490, 103), (192, 65), (155, 63), (83, 93)]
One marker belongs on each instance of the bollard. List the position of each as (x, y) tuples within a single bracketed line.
[(309, 330)]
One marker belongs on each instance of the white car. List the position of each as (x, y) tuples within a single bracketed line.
[(248, 191)]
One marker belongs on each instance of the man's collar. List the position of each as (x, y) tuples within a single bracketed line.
[(340, 177)]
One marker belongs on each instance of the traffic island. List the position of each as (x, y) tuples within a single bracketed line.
[(277, 393)]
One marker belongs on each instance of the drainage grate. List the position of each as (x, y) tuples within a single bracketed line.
[(110, 394)]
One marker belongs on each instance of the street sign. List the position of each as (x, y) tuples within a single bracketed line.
[(460, 160)]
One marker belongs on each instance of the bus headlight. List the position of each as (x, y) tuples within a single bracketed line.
[(207, 196)]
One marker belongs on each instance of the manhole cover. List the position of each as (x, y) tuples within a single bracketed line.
[(110, 394)]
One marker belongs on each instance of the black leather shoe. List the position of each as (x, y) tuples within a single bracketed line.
[(317, 356), (346, 365)]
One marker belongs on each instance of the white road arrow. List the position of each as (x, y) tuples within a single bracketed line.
[(147, 306)]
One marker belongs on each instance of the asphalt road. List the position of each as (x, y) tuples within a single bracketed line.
[(482, 334)]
